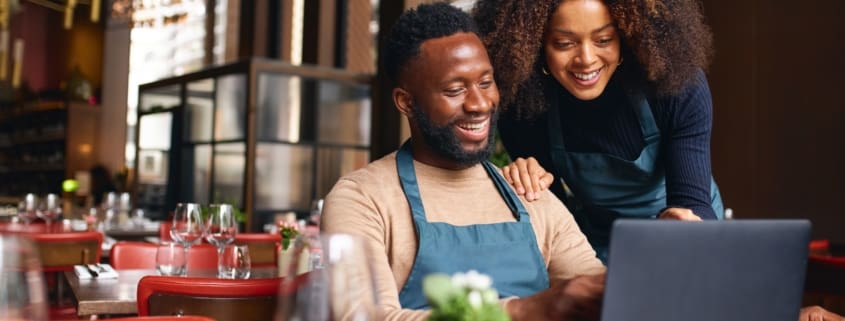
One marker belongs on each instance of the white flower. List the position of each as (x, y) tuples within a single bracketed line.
[(459, 280), (475, 299), (478, 281)]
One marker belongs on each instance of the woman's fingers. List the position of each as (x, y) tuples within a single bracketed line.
[(527, 177), (677, 213)]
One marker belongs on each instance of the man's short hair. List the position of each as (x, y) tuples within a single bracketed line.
[(427, 21)]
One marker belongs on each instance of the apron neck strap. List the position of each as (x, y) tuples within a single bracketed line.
[(408, 179)]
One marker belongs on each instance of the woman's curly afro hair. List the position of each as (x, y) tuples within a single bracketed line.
[(664, 43)]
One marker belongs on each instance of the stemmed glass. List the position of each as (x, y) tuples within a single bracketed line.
[(50, 210), (188, 227), (329, 278), (221, 229), (28, 208), (22, 291)]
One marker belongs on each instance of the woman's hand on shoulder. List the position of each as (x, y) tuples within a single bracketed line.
[(527, 177), (817, 313), (677, 213)]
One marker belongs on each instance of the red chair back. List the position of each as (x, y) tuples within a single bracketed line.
[(61, 251), (262, 247), (222, 299), (820, 247), (142, 255)]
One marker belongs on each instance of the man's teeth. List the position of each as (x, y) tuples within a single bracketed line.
[(473, 126), (587, 76)]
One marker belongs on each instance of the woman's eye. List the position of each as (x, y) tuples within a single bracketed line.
[(605, 41), (486, 84), (454, 91), (564, 44)]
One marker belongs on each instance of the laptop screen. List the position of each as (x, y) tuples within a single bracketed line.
[(706, 271)]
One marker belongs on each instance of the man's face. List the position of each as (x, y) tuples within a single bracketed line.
[(453, 100)]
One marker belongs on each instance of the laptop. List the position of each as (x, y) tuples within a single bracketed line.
[(706, 271)]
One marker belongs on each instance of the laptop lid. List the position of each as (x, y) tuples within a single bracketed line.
[(704, 271)]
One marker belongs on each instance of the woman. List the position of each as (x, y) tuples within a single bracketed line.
[(611, 97)]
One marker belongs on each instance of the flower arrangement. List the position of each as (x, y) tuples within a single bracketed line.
[(463, 297), (288, 231)]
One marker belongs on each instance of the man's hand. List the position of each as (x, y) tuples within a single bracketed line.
[(817, 313), (576, 299), (680, 214), (527, 177)]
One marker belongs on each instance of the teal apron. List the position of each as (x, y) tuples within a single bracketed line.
[(601, 188), (507, 252)]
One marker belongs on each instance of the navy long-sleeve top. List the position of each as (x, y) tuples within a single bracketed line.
[(609, 125)]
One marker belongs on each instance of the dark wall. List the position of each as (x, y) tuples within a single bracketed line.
[(779, 118), (50, 51)]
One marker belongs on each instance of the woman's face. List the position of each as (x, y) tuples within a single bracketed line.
[(582, 47)]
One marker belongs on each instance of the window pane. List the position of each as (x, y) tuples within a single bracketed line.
[(159, 98), (196, 174), (283, 176), (229, 166), (279, 107), (344, 113), (152, 166), (230, 118), (333, 163), (155, 131), (199, 111)]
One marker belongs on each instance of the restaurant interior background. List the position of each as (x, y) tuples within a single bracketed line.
[(778, 130)]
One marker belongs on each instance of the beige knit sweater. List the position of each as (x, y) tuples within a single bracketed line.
[(370, 202)]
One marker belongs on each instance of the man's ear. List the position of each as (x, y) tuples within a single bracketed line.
[(403, 101)]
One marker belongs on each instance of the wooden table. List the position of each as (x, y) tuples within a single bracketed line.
[(119, 296)]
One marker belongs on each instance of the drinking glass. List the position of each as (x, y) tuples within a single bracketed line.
[(28, 208), (234, 262), (22, 291), (329, 278), (221, 229), (188, 227), (50, 209), (171, 259)]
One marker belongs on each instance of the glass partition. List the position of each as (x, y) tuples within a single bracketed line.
[(270, 149)]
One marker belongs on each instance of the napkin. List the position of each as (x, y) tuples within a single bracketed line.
[(104, 271)]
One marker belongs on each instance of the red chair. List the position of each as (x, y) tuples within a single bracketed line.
[(262, 247), (820, 247), (59, 252), (142, 255), (222, 299)]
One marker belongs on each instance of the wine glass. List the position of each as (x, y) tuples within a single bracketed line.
[(329, 278), (188, 227), (221, 228), (50, 209), (28, 208), (22, 291)]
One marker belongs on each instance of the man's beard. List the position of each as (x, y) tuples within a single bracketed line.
[(444, 142)]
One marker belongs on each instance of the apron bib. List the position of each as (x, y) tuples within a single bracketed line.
[(507, 252), (601, 188)]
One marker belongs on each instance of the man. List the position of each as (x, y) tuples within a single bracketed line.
[(436, 205)]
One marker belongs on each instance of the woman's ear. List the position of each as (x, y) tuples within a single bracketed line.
[(403, 101)]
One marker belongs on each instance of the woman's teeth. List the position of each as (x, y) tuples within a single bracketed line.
[(587, 76)]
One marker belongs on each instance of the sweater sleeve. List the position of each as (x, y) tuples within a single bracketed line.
[(348, 209), (570, 254), (687, 149)]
